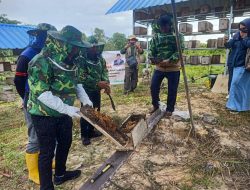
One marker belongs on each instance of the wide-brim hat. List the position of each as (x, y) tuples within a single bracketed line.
[(70, 35), (131, 37), (41, 27)]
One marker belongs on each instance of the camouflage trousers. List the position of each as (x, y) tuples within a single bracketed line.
[(131, 79)]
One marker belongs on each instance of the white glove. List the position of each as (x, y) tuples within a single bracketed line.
[(55, 103), (83, 96)]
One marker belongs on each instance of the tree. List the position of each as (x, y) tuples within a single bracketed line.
[(119, 40), (109, 46), (5, 20), (100, 35), (84, 37)]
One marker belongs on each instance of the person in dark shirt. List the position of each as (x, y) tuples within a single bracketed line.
[(39, 36)]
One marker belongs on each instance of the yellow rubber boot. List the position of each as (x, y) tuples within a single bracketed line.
[(54, 164), (32, 165)]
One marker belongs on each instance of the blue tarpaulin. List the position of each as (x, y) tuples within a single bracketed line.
[(14, 36), (126, 5)]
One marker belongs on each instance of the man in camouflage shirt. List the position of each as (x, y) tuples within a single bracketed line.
[(164, 54), (93, 74), (53, 90)]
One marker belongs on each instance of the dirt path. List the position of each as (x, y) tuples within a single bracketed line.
[(218, 158)]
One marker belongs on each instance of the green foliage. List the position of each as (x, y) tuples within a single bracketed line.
[(116, 42), (5, 20), (7, 56), (84, 36), (119, 40), (100, 35), (109, 46)]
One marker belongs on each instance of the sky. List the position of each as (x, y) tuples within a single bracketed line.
[(82, 14)]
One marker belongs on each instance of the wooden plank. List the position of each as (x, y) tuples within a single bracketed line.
[(103, 131), (221, 84), (154, 119), (139, 132), (116, 161)]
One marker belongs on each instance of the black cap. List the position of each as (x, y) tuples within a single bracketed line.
[(165, 20)]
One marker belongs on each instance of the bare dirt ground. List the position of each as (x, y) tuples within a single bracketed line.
[(217, 158)]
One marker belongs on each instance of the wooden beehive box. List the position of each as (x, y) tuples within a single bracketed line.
[(186, 59), (215, 59), (235, 25), (206, 60), (186, 28), (138, 129), (195, 60), (140, 30), (240, 4), (127, 136), (205, 26), (212, 43), (205, 9), (13, 67), (141, 16), (6, 66), (143, 44), (223, 24), (220, 43), (185, 11), (1, 67), (193, 44)]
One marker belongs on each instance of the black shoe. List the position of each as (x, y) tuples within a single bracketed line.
[(86, 141), (168, 113), (153, 109), (95, 134), (69, 175)]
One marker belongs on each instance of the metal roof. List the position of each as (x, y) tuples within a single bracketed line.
[(126, 5), (14, 36)]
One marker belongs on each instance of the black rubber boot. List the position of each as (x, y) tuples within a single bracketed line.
[(86, 141), (69, 175), (95, 134)]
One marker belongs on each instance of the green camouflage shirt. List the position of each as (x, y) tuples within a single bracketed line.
[(90, 73), (44, 75), (164, 46)]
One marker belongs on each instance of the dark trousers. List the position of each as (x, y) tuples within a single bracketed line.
[(131, 79), (49, 131), (173, 82), (86, 127), (230, 75)]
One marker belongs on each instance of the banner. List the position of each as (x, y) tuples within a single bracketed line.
[(116, 66)]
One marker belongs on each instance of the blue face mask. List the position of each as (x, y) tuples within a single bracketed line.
[(39, 40)]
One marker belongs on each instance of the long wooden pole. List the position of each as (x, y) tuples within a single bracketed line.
[(192, 129), (229, 35)]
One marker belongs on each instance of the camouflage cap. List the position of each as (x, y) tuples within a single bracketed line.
[(41, 27), (70, 35)]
